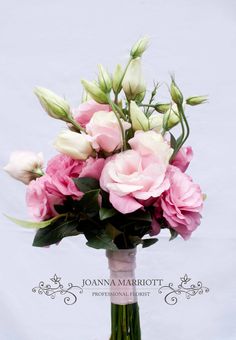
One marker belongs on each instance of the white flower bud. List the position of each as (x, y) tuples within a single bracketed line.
[(25, 166), (104, 79), (138, 119), (139, 47), (73, 144), (117, 79), (95, 92), (133, 83), (171, 118), (54, 105)]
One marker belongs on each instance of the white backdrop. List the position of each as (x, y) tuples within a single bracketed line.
[(55, 44)]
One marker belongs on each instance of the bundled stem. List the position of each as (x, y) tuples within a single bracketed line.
[(125, 323)]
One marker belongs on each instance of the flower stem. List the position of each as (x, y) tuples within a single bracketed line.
[(125, 323), (116, 111), (75, 124)]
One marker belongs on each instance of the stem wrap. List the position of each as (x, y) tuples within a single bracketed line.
[(122, 266)]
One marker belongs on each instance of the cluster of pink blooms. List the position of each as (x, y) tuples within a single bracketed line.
[(135, 179)]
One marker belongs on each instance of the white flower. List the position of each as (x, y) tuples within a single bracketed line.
[(133, 83), (25, 166), (73, 144), (151, 143), (138, 119)]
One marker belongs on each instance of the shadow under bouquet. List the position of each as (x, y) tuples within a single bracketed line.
[(119, 177)]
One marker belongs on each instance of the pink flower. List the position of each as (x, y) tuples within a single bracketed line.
[(183, 158), (182, 202), (151, 143), (131, 178), (63, 169), (41, 199), (52, 188), (85, 111), (104, 131)]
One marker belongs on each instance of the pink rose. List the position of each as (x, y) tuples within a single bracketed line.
[(183, 158), (104, 131), (85, 111), (41, 199), (131, 178), (182, 202)]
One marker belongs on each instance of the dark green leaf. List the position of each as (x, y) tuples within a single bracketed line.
[(102, 241), (105, 213), (140, 215), (173, 234), (55, 233), (89, 203), (173, 141), (85, 184), (112, 231), (149, 242)]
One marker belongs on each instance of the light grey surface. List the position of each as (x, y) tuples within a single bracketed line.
[(55, 44)]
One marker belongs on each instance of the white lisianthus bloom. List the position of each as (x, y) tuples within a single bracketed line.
[(133, 83), (151, 143), (25, 166), (138, 119), (73, 144)]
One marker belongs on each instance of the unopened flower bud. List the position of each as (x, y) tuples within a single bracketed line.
[(73, 144), (95, 92), (104, 79), (171, 118), (139, 47), (54, 105), (138, 119), (176, 94), (133, 83), (162, 108), (117, 79), (196, 100)]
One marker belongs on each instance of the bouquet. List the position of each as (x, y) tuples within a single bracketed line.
[(119, 177)]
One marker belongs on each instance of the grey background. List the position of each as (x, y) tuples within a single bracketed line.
[(55, 44)]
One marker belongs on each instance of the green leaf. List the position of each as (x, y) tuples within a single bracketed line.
[(149, 242), (85, 184), (55, 233), (89, 203), (173, 234), (173, 141), (135, 240), (140, 215), (105, 213), (32, 224), (102, 241), (112, 231)]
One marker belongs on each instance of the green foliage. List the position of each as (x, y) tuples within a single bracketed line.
[(55, 232), (33, 224), (85, 184)]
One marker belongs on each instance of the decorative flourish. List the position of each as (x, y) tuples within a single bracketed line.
[(182, 288), (49, 290)]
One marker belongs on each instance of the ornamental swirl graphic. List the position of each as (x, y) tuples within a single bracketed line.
[(182, 288), (58, 289)]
